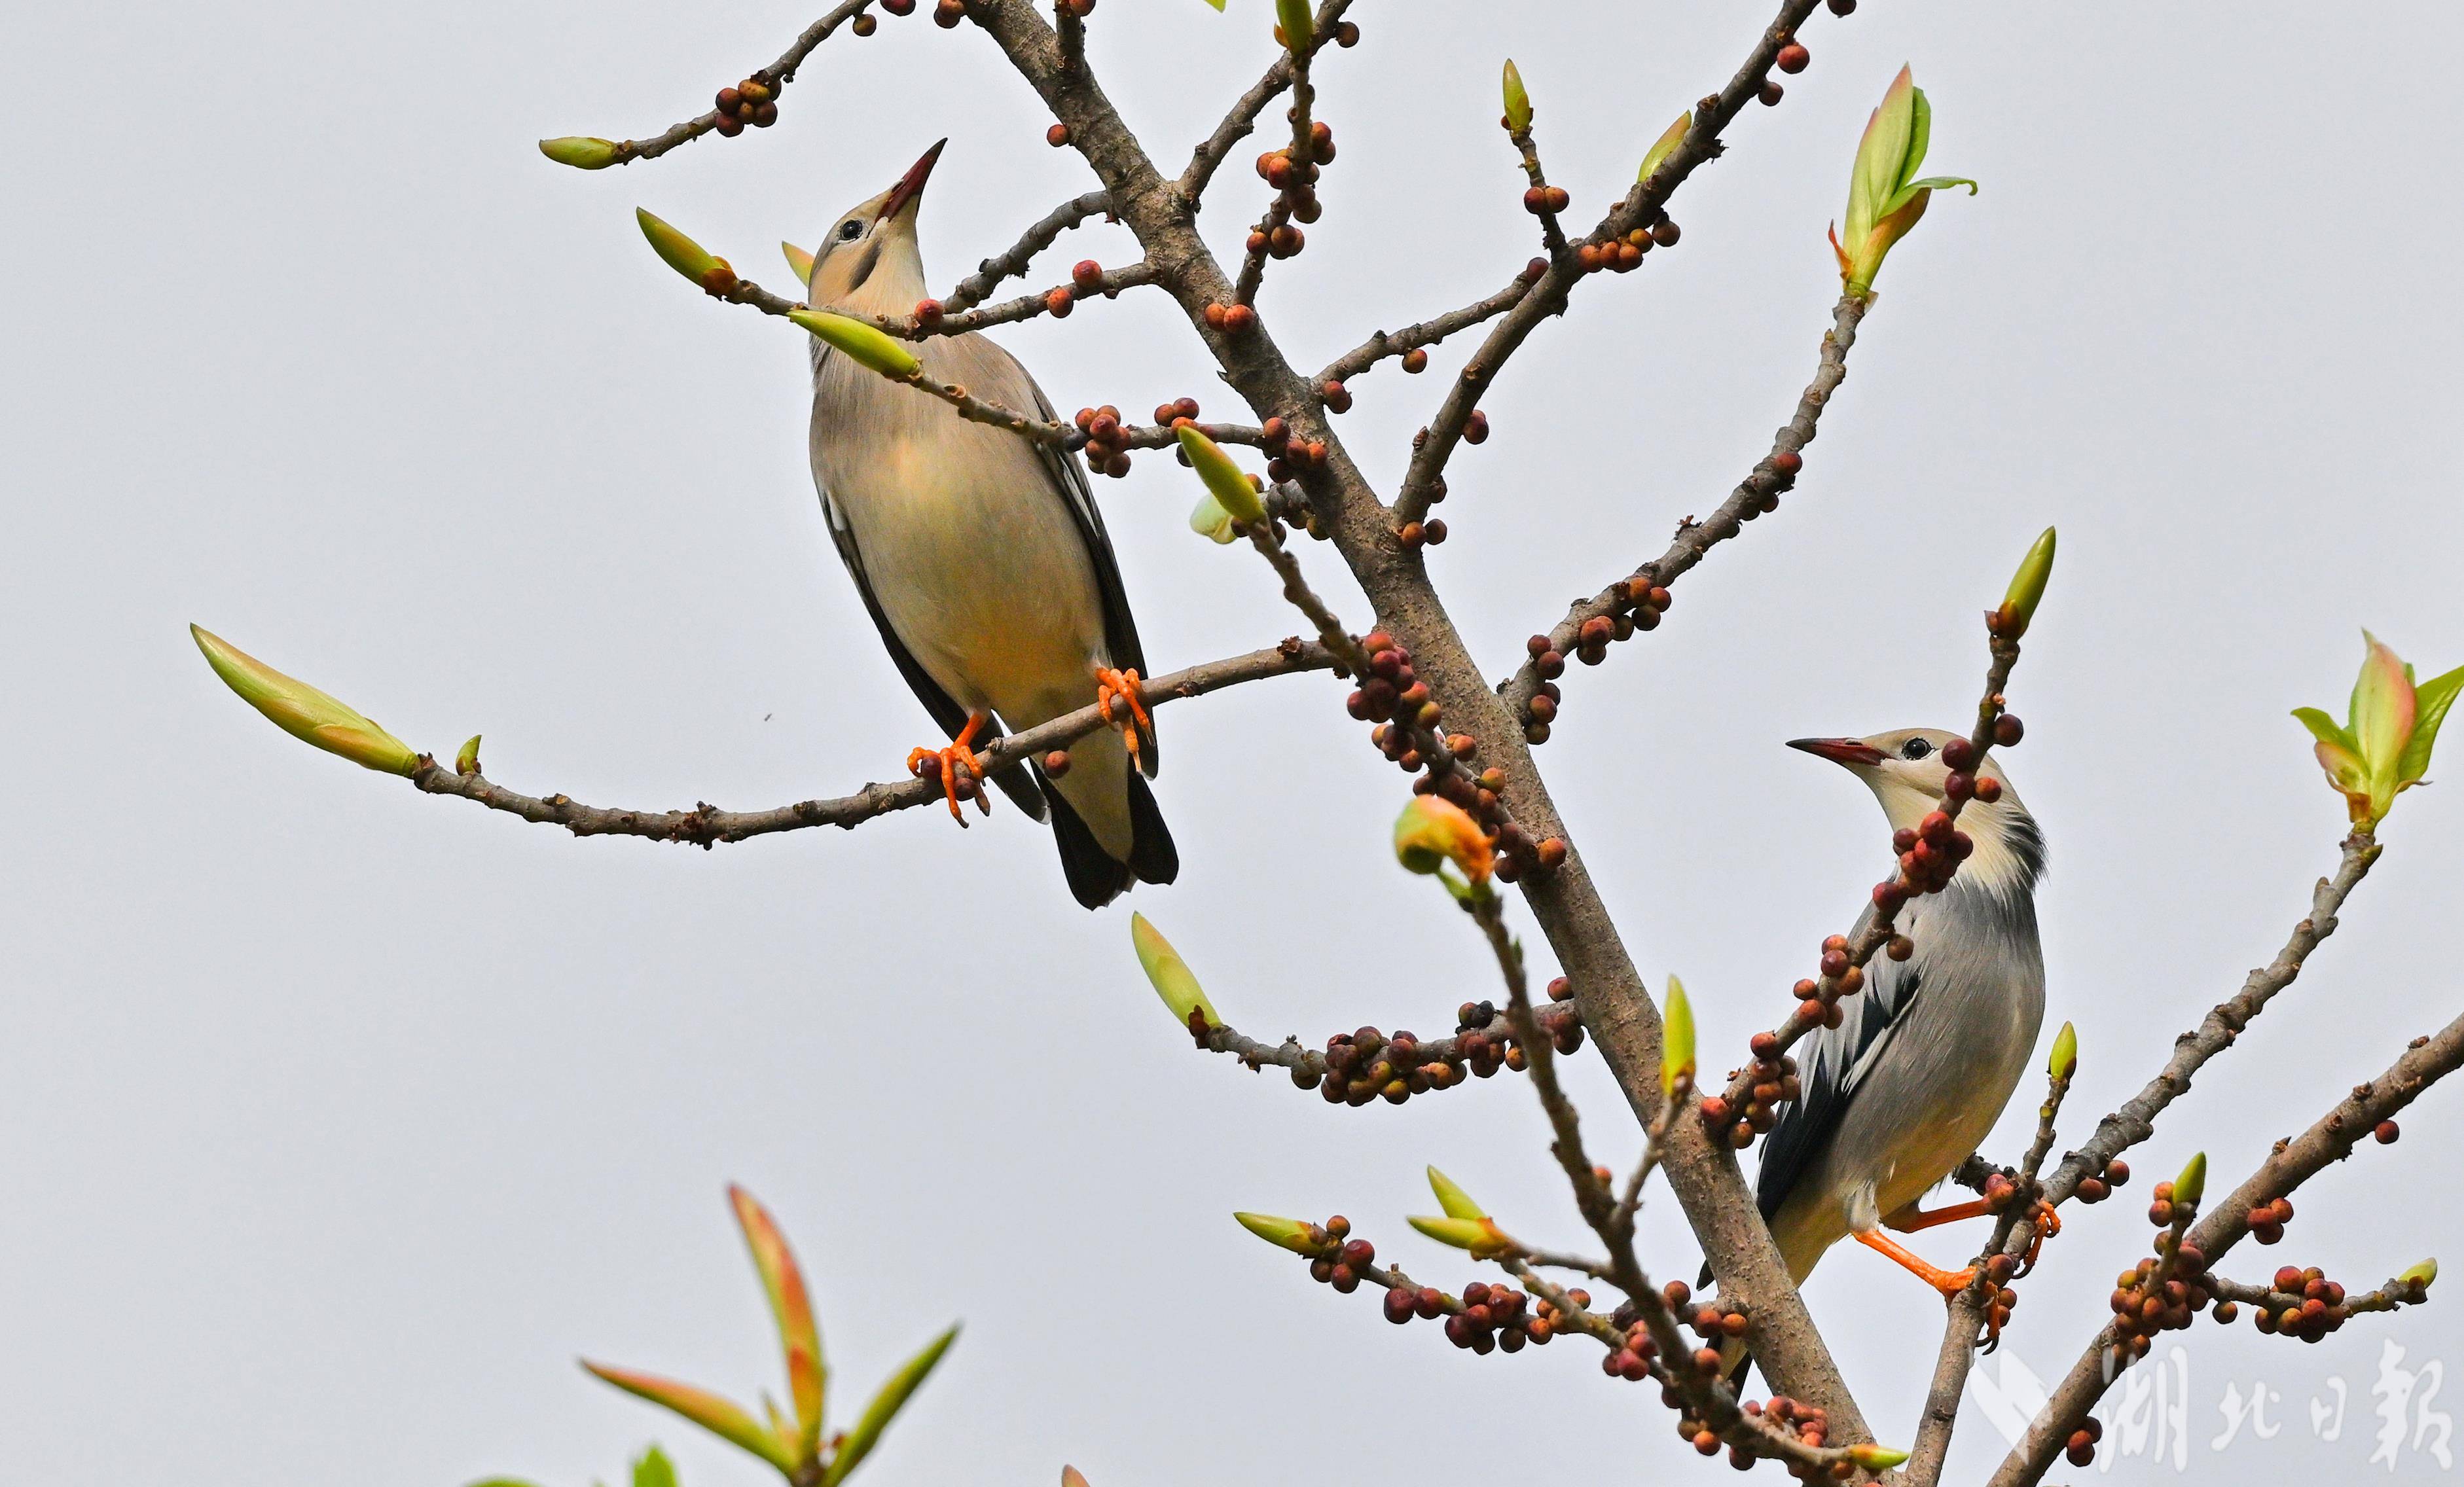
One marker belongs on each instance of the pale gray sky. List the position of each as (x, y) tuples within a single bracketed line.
[(338, 1120)]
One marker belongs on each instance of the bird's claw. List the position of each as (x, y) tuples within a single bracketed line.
[(2047, 1224), (958, 768), (1123, 686)]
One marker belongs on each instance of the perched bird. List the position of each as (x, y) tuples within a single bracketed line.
[(1925, 1057), (983, 561)]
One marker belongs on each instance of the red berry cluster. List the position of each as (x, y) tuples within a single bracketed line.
[(2095, 1189), (1107, 448), (1407, 717), (1807, 1422), (947, 14), (1639, 603), (1289, 458), (1086, 282), (1369, 1065), (1493, 1318), (2268, 1219), (1543, 199), (1774, 1079), (1293, 174), (753, 102), (2302, 1303), (1621, 255), (1231, 320)]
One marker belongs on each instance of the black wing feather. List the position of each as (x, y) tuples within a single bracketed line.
[(1827, 1081), (1120, 630)]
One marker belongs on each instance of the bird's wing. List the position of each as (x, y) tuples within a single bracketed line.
[(945, 709), (1832, 1064), (1120, 629)]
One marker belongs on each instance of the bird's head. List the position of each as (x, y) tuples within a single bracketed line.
[(869, 261), (1905, 769)]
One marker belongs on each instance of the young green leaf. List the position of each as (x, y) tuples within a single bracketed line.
[(884, 1409), (313, 717)]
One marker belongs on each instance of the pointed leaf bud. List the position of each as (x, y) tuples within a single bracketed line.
[(467, 760), (1169, 975), (864, 344), (1224, 480), (1210, 520), (685, 256), (1876, 1459), (1433, 831), (1518, 102), (2192, 1182), (1481, 1236), (2391, 726), (2026, 587), (1669, 139), (2421, 1275), (791, 1309), (1289, 1233), (885, 1407), (1457, 1203), (1676, 1040), (2064, 1063), (581, 151), (305, 713), (799, 260), (1071, 1477), (654, 1470), (721, 1417), (1295, 25)]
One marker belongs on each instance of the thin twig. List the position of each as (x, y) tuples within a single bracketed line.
[(1547, 295), (707, 825), (778, 75), (1757, 493), (1013, 261), (1427, 332)]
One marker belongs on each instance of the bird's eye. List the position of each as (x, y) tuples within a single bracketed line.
[(850, 229), (1915, 748)]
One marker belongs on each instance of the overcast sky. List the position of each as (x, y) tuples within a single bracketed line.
[(335, 1120)]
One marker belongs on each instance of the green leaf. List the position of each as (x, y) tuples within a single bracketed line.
[(885, 1407), (2431, 700), (1296, 21), (1217, 4), (1286, 1234), (1224, 480), (863, 343), (2327, 729), (1920, 134), (654, 1470), (1676, 1040), (1518, 101), (2064, 1061), (2192, 1183), (1169, 975)]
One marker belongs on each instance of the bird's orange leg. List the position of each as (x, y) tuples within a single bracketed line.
[(2048, 1224), (949, 764), (1911, 1218), (1113, 686), (1949, 1283)]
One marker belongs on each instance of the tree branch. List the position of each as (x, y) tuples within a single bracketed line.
[(1632, 599), (778, 75), (1641, 206), (706, 825), (1013, 261), (2330, 1139)]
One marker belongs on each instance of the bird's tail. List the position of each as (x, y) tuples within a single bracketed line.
[(1095, 876)]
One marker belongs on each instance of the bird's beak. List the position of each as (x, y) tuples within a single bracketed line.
[(1840, 751), (911, 186)]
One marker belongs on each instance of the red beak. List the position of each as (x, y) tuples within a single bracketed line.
[(911, 186), (1838, 751)]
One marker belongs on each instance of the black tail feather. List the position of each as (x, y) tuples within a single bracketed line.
[(1152, 855), (1095, 878)]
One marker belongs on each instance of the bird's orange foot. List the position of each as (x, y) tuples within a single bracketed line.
[(1949, 1283), (1121, 687), (958, 768), (2046, 1223)]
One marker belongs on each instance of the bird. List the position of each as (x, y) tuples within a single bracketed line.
[(983, 562), (1924, 1059)]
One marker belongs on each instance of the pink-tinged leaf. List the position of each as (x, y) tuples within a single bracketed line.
[(2383, 706), (2431, 700), (791, 1307), (2348, 777), (1071, 1477), (2324, 728), (721, 1417)]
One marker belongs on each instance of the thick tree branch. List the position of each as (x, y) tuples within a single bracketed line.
[(706, 825), (2292, 1163), (1609, 991)]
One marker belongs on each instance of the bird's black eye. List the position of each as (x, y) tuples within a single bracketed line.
[(1915, 748), (850, 229)]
